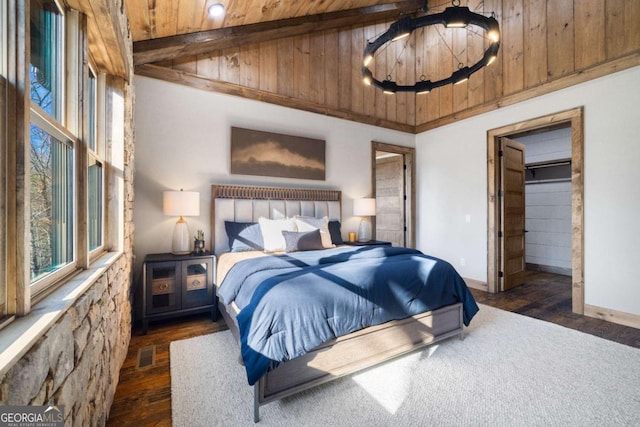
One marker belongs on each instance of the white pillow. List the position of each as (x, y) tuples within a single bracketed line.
[(272, 229), (307, 223)]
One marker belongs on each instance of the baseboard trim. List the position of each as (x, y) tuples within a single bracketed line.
[(476, 284), (549, 269), (619, 317)]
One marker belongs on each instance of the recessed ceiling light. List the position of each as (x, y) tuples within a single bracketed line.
[(216, 9)]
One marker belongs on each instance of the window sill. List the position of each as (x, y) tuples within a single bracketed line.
[(20, 335)]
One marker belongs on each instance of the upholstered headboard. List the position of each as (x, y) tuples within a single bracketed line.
[(248, 204)]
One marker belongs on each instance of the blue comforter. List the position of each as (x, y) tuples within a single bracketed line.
[(291, 303)]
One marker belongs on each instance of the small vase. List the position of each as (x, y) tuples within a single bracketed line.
[(198, 247)]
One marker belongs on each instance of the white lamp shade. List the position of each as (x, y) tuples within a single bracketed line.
[(181, 203), (364, 207)]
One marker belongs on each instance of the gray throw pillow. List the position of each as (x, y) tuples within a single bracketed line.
[(302, 241)]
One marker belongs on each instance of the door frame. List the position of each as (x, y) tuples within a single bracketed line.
[(409, 154), (495, 262)]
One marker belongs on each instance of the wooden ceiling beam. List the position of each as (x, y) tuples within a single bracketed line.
[(154, 50)]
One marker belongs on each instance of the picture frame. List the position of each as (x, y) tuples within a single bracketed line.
[(262, 153)]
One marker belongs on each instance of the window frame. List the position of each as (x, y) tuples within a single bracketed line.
[(63, 52), (41, 119), (97, 154), (4, 55), (57, 128), (18, 293), (59, 295)]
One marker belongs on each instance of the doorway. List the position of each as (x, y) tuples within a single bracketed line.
[(500, 249), (392, 183)]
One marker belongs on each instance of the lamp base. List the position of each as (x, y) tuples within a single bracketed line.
[(364, 230), (181, 244)]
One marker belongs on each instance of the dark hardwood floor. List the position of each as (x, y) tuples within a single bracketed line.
[(547, 296), (143, 396)]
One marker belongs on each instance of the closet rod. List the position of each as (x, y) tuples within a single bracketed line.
[(548, 164)]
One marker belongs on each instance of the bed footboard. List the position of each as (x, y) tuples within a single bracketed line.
[(357, 351)]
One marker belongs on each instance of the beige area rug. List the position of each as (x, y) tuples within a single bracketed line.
[(510, 370)]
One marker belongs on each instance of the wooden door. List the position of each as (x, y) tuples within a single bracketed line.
[(390, 200), (512, 158)]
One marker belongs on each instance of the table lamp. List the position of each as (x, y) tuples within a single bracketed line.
[(364, 208), (181, 203)]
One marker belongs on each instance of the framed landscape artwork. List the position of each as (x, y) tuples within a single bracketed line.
[(270, 154)]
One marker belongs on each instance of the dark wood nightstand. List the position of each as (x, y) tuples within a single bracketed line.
[(369, 243), (176, 285)]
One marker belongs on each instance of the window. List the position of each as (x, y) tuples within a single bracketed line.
[(56, 165), (51, 200), (95, 174), (46, 72), (92, 95), (3, 144), (95, 203), (3, 39), (51, 175)]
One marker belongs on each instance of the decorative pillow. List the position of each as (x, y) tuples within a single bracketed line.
[(335, 232), (272, 229), (244, 236), (307, 223), (302, 241)]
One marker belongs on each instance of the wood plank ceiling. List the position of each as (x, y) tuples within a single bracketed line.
[(307, 54), (241, 24), (164, 18), (109, 46)]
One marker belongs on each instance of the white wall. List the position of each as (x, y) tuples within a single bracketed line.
[(452, 183), (183, 141), (548, 204), (546, 146), (548, 221)]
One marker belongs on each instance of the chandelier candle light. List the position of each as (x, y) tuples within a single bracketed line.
[(181, 203), (451, 17), (364, 208)]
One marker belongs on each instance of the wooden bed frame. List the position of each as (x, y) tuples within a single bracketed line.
[(344, 355)]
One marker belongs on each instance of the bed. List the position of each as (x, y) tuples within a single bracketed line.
[(254, 288)]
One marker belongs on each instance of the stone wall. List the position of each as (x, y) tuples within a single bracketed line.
[(77, 362)]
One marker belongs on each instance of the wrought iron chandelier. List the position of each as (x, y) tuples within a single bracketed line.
[(452, 17)]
